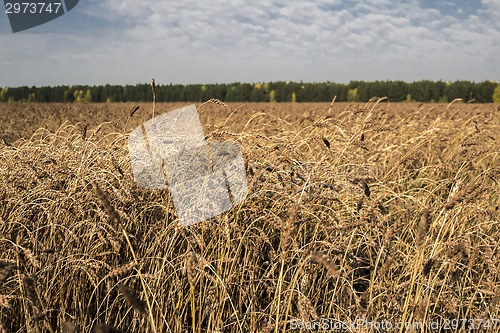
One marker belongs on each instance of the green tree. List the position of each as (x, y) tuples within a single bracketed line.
[(395, 91), (443, 99), (420, 90), (231, 94), (278, 91), (437, 90), (257, 94)]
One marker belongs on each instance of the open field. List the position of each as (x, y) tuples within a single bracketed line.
[(380, 212)]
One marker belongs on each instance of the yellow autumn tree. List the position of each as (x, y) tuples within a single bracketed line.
[(496, 94), (272, 96)]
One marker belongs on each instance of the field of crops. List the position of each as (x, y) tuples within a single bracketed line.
[(380, 213)]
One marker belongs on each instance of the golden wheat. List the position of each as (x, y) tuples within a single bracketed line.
[(355, 211)]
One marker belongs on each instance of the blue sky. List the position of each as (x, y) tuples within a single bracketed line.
[(129, 42)]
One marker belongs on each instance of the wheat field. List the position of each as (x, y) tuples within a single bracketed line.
[(379, 212)]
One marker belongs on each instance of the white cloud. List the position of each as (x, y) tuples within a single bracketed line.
[(493, 5), (226, 41)]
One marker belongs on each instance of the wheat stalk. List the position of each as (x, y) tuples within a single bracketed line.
[(153, 90), (132, 298)]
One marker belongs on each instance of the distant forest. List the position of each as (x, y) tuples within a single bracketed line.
[(354, 91)]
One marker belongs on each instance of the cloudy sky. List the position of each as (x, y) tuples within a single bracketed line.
[(188, 41)]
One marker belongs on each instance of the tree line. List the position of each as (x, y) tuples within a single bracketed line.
[(354, 91)]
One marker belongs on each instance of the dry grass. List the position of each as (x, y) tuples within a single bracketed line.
[(378, 211)]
